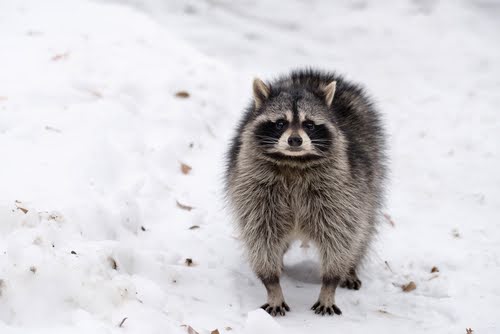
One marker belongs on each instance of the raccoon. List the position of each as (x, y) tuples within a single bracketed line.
[(308, 161)]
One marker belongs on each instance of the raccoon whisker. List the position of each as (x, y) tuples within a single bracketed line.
[(321, 140), (320, 143), (265, 137)]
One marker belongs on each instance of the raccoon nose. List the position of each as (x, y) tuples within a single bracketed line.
[(294, 141)]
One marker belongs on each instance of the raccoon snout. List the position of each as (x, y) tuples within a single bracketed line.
[(294, 141)]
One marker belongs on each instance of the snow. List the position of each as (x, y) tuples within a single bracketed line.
[(92, 138)]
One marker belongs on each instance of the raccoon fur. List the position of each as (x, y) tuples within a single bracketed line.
[(308, 162)]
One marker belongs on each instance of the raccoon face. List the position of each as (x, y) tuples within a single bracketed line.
[(293, 125)]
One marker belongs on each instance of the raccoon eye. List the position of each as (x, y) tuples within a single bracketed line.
[(280, 124), (309, 125)]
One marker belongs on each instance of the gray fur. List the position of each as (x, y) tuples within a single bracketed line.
[(330, 196)]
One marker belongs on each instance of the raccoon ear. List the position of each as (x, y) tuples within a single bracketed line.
[(260, 92), (329, 92)]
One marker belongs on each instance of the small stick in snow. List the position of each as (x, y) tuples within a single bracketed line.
[(122, 322), (184, 206), (50, 128), (388, 266)]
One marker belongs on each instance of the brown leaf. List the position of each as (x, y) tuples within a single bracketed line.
[(185, 169), (182, 94), (215, 331), (25, 211), (434, 269), (409, 287), (184, 206), (469, 331), (189, 262), (60, 56), (190, 329), (112, 263), (20, 206)]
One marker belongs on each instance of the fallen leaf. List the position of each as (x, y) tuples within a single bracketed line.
[(185, 169), (182, 94), (469, 331), (33, 269), (194, 227), (189, 262), (112, 263), (60, 56), (143, 228), (20, 206), (215, 331), (95, 93), (23, 210), (190, 329), (184, 206), (434, 269), (409, 287)]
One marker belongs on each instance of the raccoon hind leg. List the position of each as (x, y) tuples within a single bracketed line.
[(352, 281)]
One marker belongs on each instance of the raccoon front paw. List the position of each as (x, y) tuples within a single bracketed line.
[(320, 308), (275, 310), (351, 283)]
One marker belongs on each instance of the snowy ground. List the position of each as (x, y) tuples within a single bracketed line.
[(93, 136)]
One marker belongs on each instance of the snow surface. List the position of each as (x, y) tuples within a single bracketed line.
[(92, 138)]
